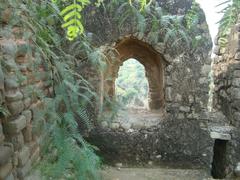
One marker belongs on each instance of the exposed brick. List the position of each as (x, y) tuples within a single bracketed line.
[(17, 141), (15, 107), (23, 156), (1, 78), (27, 133), (28, 115), (15, 126), (13, 96), (5, 170), (8, 47), (23, 171), (22, 48), (5, 154), (11, 82)]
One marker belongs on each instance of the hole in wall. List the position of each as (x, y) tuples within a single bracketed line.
[(219, 159), (131, 85)]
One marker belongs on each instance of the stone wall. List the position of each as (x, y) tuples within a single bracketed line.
[(183, 94), (226, 99), (22, 75)]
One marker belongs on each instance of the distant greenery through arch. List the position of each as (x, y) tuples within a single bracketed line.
[(131, 86)]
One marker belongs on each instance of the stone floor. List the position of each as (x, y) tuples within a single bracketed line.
[(136, 119), (111, 173)]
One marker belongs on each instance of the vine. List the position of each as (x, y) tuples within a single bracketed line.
[(72, 17), (230, 17)]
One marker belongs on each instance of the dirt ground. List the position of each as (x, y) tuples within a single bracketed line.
[(112, 173)]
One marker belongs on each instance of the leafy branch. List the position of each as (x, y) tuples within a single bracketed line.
[(72, 17), (230, 16)]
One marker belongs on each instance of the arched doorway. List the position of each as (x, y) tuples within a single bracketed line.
[(154, 65)]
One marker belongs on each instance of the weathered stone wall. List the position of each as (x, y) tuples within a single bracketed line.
[(22, 75), (227, 91), (182, 134)]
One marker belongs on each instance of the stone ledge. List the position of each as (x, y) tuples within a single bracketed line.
[(222, 136)]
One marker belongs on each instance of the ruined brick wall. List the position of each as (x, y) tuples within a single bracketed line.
[(22, 74), (226, 92), (185, 86)]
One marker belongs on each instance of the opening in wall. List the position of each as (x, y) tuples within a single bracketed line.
[(219, 163), (131, 85), (152, 63)]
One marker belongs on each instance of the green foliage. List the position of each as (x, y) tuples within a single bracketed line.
[(131, 84), (192, 16), (71, 14), (143, 3), (72, 18), (230, 16), (67, 155)]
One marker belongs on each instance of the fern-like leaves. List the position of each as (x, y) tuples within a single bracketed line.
[(72, 18)]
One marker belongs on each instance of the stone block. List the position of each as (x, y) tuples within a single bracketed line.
[(2, 137), (15, 126), (27, 102), (23, 156), (216, 40), (169, 81), (178, 98), (236, 74), (218, 135), (11, 82), (5, 154), (104, 124), (180, 116), (33, 146), (236, 82), (22, 48), (35, 155), (6, 15), (236, 116), (217, 50), (10, 65), (23, 171), (27, 133), (203, 80), (10, 177), (126, 125), (185, 109), (15, 107), (8, 47), (237, 56), (13, 96), (5, 170), (205, 70), (237, 26), (28, 115), (235, 93), (115, 125), (17, 141), (1, 78), (169, 94)]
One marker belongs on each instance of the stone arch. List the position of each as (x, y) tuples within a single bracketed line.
[(153, 62)]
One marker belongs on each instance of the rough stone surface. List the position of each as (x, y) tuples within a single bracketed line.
[(16, 125), (216, 135), (150, 143), (226, 97), (5, 170), (23, 157), (5, 154), (18, 150)]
